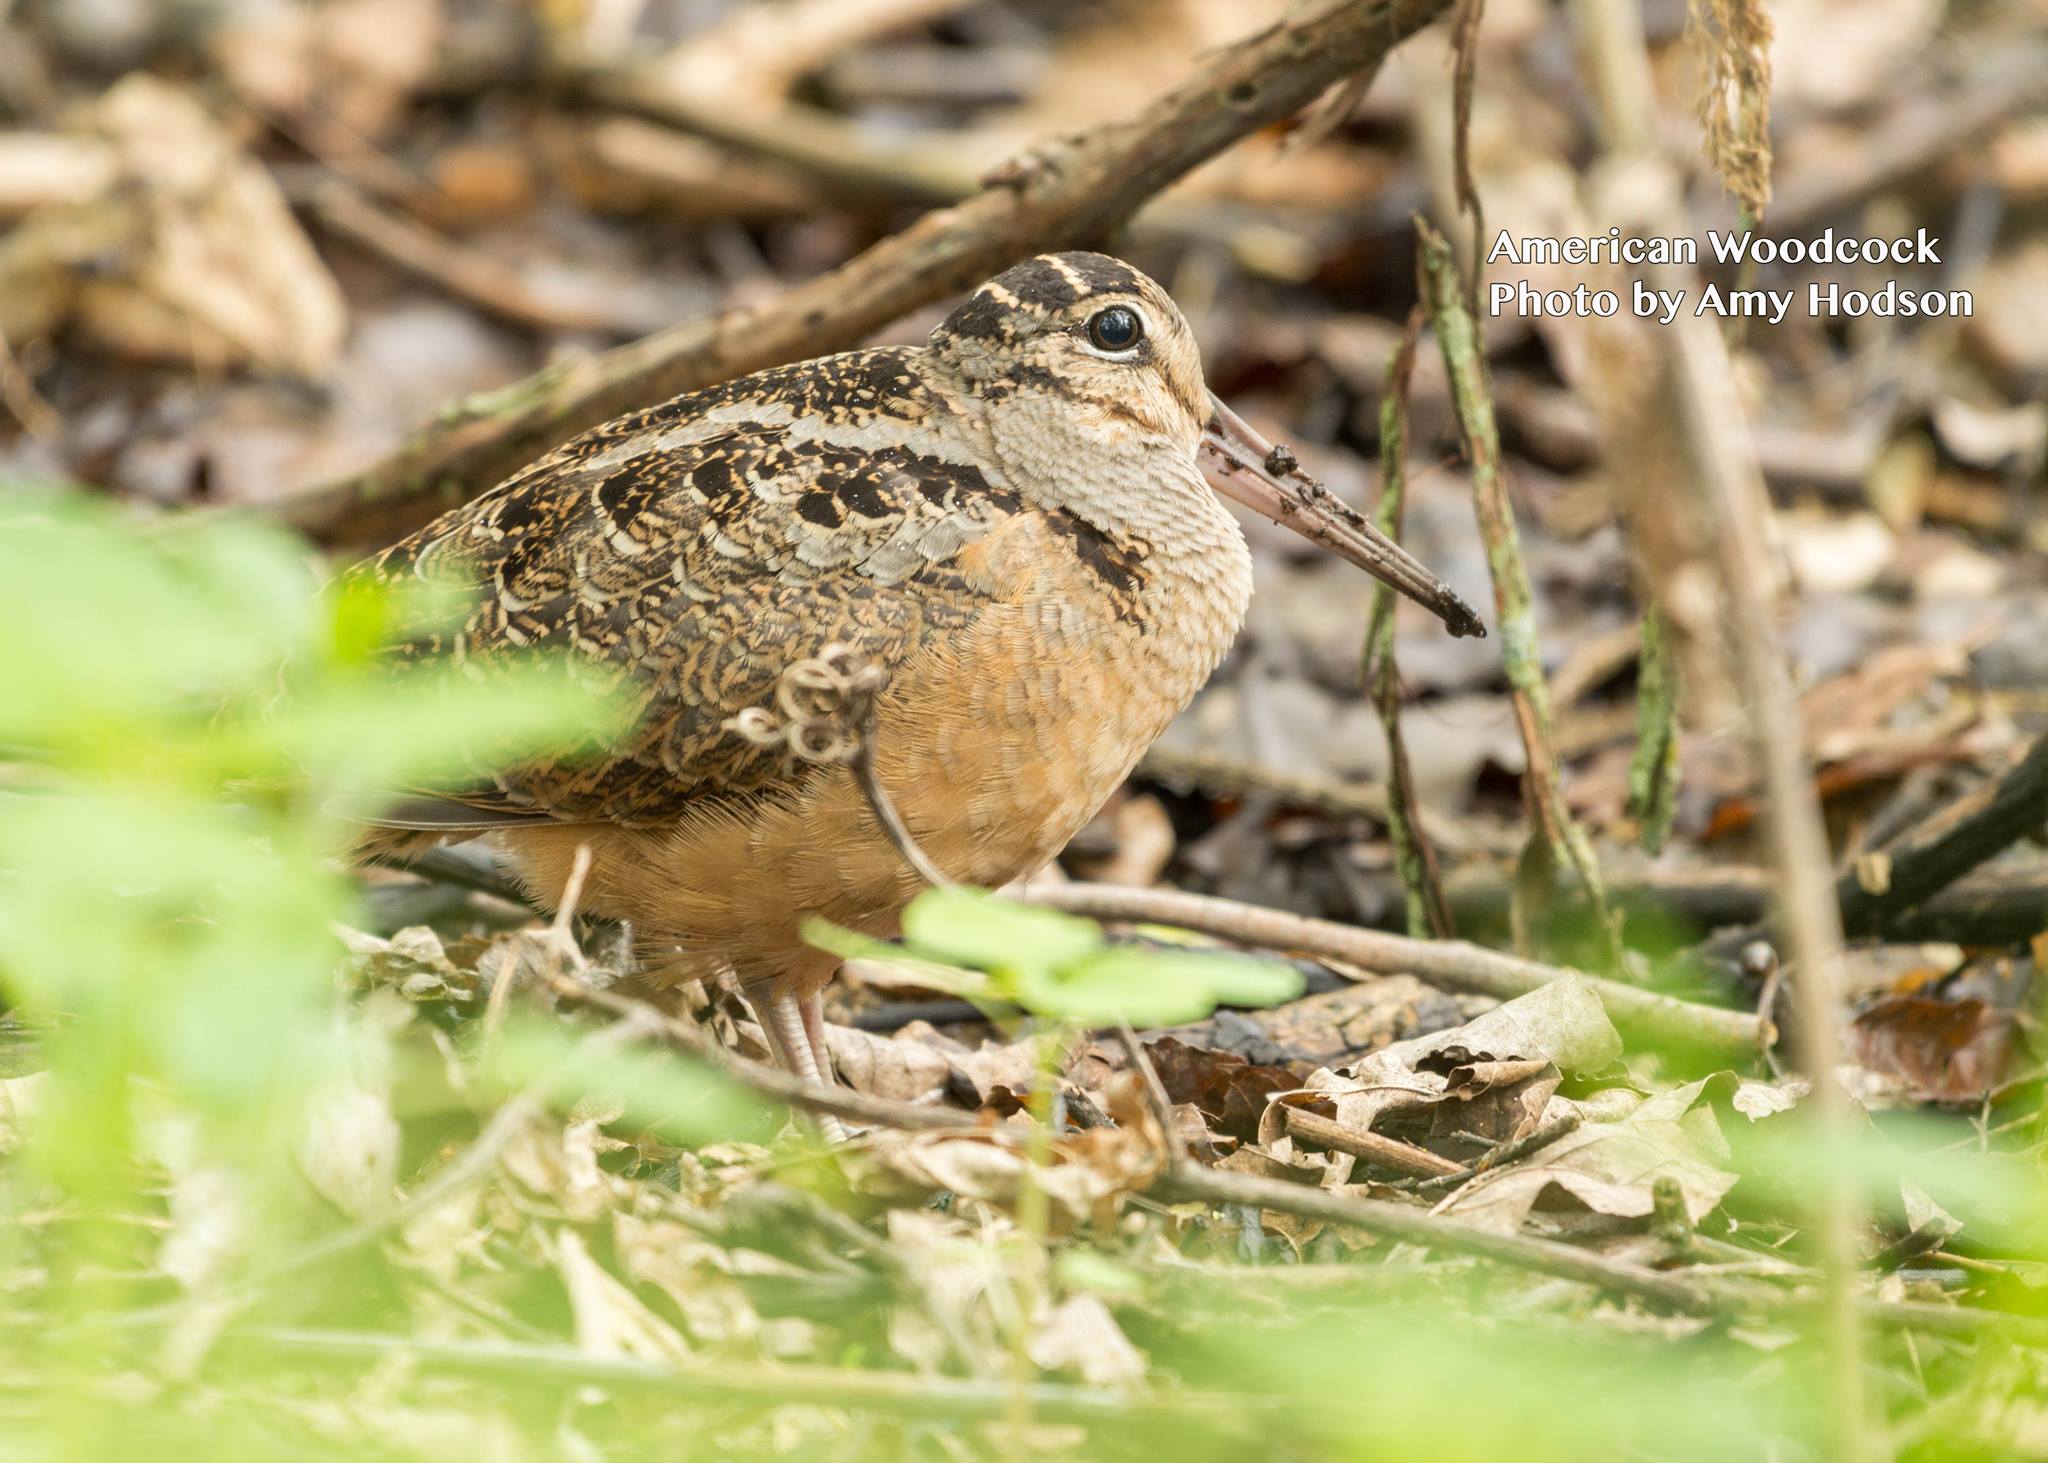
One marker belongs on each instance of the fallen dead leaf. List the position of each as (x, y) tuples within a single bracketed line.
[(1611, 1167), (19, 1097), (691, 1271), (353, 64), (1836, 553), (1089, 1172), (2010, 326), (1562, 1022), (1326, 1030), (1228, 1091), (1492, 1078), (191, 255), (211, 1208), (887, 1066), (1934, 1050), (610, 1320), (350, 1150)]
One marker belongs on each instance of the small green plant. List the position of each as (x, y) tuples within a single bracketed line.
[(1064, 968)]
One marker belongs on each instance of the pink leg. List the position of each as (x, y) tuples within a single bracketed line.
[(813, 1009), (783, 1022)]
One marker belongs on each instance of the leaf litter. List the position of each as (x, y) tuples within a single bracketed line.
[(495, 1187)]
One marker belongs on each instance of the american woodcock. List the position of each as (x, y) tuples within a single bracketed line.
[(1014, 524)]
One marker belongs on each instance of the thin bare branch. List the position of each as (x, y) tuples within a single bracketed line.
[(1452, 964), (1066, 192)]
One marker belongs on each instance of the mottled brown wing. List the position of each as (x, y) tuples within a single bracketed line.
[(686, 556)]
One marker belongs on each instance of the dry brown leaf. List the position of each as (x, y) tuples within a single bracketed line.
[(1370, 1012), (1838, 54), (1934, 1050), (1562, 1023), (18, 1100), (559, 1166), (1492, 1077), (990, 1170), (1090, 1171), (350, 1150), (921, 1063), (191, 256), (694, 1273), (211, 1207), (957, 1267), (755, 54), (1755, 1100), (2010, 325), (1611, 1166), (993, 1064), (447, 1235), (887, 1066), (1838, 553), (1992, 437), (1223, 1087), (351, 65), (1499, 1101), (41, 169)]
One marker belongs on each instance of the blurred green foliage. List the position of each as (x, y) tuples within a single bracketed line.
[(180, 704)]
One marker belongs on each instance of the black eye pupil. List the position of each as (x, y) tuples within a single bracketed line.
[(1115, 329)]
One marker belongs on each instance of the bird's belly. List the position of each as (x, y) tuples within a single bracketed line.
[(995, 754)]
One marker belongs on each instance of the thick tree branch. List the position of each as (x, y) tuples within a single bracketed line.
[(1066, 192)]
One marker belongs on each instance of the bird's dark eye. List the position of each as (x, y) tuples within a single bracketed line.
[(1116, 329)]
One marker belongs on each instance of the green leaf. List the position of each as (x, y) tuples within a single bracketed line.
[(853, 945), (968, 927), (1147, 987), (1240, 980)]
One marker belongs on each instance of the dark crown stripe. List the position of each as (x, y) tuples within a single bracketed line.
[(1102, 274), (1039, 285), (1037, 288)]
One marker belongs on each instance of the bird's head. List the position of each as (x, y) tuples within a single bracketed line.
[(1090, 380)]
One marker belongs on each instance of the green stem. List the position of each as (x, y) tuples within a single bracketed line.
[(1465, 362), (1428, 912), (1653, 769)]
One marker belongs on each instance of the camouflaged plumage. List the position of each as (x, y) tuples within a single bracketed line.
[(684, 561), (1010, 523)]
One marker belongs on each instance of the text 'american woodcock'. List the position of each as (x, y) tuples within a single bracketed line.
[(1014, 524)]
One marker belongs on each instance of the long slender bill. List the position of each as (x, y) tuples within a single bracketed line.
[(1242, 465)]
